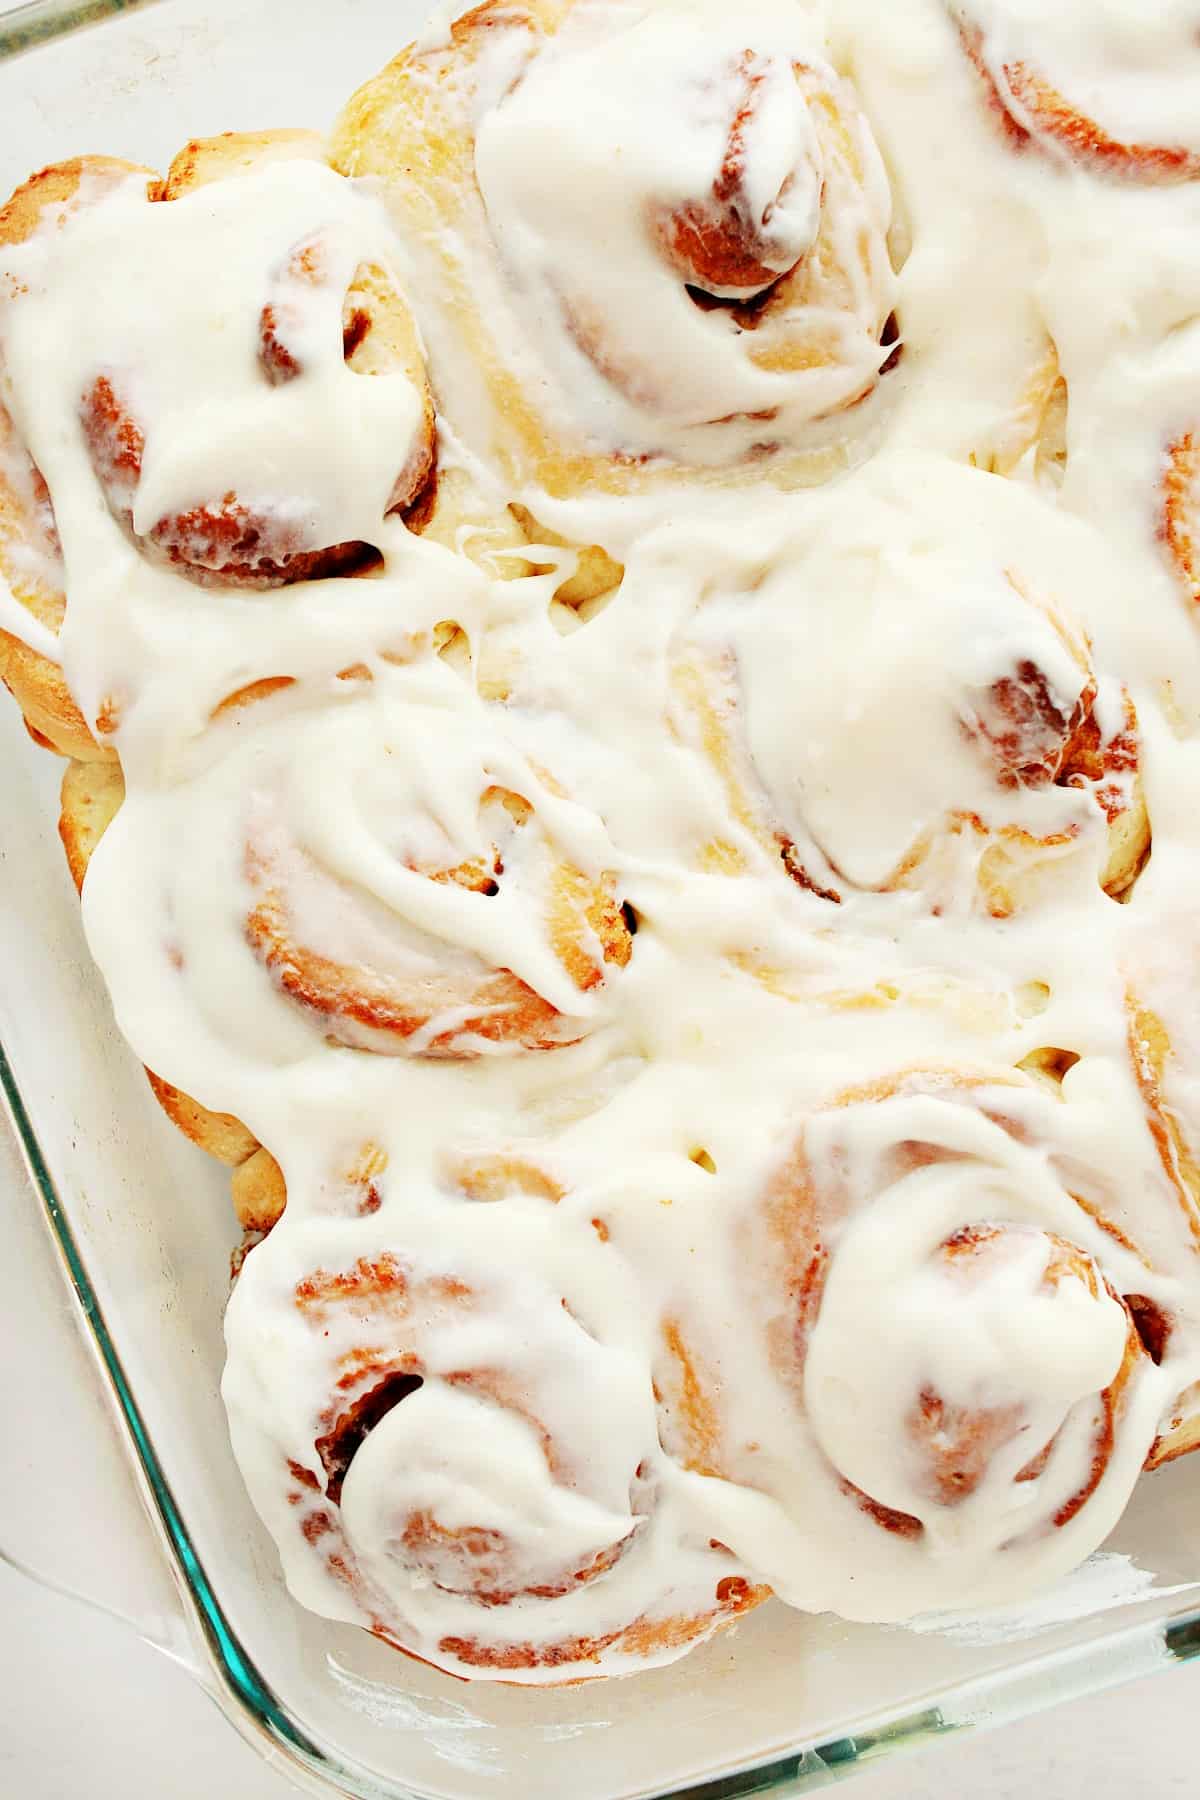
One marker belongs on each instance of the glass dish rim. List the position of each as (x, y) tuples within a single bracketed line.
[(33, 22), (243, 1695)]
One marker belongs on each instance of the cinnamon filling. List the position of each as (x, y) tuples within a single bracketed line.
[(337, 1447)]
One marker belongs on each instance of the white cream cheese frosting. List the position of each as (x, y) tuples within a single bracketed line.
[(769, 1266)]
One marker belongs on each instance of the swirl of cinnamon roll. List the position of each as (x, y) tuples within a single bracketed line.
[(964, 1339), (926, 719), (330, 308), (682, 214), (488, 875), (449, 1452), (1108, 87), (206, 428), (404, 880), (241, 316)]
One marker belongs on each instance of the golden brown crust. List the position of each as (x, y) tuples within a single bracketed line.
[(1182, 1435), (347, 996), (233, 153), (501, 1174), (59, 185), (1112, 769), (1084, 141), (381, 337), (686, 1391), (380, 332), (1180, 523), (39, 689), (258, 1191), (595, 577), (223, 1136), (360, 139), (91, 797), (954, 1444)]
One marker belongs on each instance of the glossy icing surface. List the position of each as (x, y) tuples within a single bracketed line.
[(712, 1036)]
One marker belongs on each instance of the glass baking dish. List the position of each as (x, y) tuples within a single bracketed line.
[(781, 1704)]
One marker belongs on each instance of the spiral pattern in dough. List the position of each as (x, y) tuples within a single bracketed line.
[(741, 302), (330, 309), (477, 1471), (1073, 80), (452, 850), (986, 746), (963, 1335)]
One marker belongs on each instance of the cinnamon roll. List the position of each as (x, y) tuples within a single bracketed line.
[(329, 285), (406, 881), (90, 799), (926, 719), (203, 427), (453, 1450), (969, 1345), (1107, 88), (740, 306), (504, 865)]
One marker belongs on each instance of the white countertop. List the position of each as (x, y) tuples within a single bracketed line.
[(91, 1714)]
